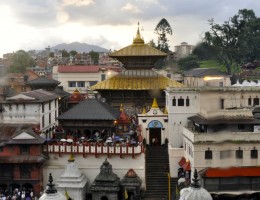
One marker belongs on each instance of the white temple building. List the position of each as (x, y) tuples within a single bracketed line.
[(73, 181)]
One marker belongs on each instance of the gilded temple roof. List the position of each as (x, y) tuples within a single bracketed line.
[(138, 48), (137, 80)]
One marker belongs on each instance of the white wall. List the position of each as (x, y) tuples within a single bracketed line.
[(90, 166)]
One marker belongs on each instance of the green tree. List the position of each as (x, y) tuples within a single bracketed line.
[(236, 40), (189, 62), (152, 43), (51, 54), (204, 51), (162, 29), (94, 56), (21, 60), (73, 52), (64, 53)]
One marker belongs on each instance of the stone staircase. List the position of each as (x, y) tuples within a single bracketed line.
[(157, 168)]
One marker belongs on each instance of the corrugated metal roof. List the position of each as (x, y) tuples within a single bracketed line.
[(137, 80), (91, 109), (39, 95), (224, 120)]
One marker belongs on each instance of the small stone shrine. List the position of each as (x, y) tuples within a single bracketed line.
[(131, 185), (51, 192), (73, 181), (106, 185), (195, 191)]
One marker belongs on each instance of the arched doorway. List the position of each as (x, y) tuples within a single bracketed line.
[(155, 137), (104, 198)]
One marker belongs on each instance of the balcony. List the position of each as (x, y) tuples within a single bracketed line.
[(221, 136), (94, 149)]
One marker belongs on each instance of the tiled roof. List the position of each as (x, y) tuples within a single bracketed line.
[(202, 72), (137, 80), (42, 81), (91, 109), (8, 131), (22, 159), (78, 68)]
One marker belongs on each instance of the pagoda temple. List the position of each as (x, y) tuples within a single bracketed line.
[(135, 86)]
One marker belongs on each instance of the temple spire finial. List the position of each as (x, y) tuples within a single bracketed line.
[(51, 187), (195, 183), (138, 39), (121, 108), (155, 104)]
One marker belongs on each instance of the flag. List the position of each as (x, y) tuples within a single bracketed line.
[(126, 194), (67, 194), (177, 192)]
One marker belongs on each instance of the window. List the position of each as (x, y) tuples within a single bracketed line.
[(222, 103), (43, 121), (103, 77), (256, 101), (180, 101), (174, 102), (49, 118), (187, 101), (239, 153), (254, 153), (225, 154), (91, 83), (221, 84), (208, 154), (49, 105), (241, 127), (249, 101), (43, 108), (25, 171), (24, 149), (72, 84), (81, 84)]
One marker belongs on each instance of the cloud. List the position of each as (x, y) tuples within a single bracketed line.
[(131, 8), (77, 2)]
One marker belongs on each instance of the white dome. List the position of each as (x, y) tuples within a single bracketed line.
[(195, 191), (198, 193)]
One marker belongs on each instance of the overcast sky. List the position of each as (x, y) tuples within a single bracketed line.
[(112, 24)]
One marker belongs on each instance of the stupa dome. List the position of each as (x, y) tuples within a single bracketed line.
[(195, 191)]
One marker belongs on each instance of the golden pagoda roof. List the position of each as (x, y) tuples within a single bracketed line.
[(138, 48), (137, 80)]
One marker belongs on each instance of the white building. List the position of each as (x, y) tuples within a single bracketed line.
[(183, 50), (82, 77), (37, 107), (206, 77), (213, 127)]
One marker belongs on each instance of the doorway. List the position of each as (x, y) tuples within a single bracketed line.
[(155, 134)]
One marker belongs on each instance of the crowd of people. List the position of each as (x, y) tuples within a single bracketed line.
[(23, 194)]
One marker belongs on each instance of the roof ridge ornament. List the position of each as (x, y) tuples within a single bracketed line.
[(155, 104)]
